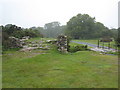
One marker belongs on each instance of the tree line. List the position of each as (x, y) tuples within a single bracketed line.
[(81, 26)]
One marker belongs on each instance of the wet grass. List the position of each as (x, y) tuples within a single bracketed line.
[(83, 69)]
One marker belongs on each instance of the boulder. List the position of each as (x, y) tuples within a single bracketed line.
[(15, 42)]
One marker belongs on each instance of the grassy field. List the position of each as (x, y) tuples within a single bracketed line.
[(50, 69)]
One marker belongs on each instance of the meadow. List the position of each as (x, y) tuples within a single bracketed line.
[(51, 69)]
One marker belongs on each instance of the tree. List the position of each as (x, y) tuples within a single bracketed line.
[(99, 28), (18, 32), (80, 26), (117, 39), (51, 25), (83, 26), (53, 29), (32, 33), (114, 32), (10, 29)]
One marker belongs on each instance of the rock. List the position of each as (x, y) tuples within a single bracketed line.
[(28, 48), (51, 41), (48, 41), (15, 42), (62, 43), (25, 38), (18, 43)]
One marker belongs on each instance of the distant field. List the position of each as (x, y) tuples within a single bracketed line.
[(50, 69), (96, 42)]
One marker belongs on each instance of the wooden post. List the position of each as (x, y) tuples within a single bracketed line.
[(108, 45), (116, 47), (103, 45), (98, 43)]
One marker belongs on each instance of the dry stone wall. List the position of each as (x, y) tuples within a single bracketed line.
[(16, 42), (62, 43)]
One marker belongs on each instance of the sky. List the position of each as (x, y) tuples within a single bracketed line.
[(29, 13)]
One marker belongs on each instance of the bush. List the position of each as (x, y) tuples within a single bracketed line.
[(114, 53), (17, 32), (78, 48)]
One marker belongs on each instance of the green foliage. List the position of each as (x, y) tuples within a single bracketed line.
[(78, 48), (5, 41), (84, 26), (79, 25), (112, 53), (10, 29), (32, 33), (117, 39), (18, 32), (53, 29)]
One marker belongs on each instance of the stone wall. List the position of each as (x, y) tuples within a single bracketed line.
[(62, 43), (16, 42)]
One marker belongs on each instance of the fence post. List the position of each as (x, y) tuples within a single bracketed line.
[(98, 43)]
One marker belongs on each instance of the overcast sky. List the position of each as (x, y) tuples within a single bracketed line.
[(29, 13)]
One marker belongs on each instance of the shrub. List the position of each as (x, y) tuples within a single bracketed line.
[(78, 48)]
